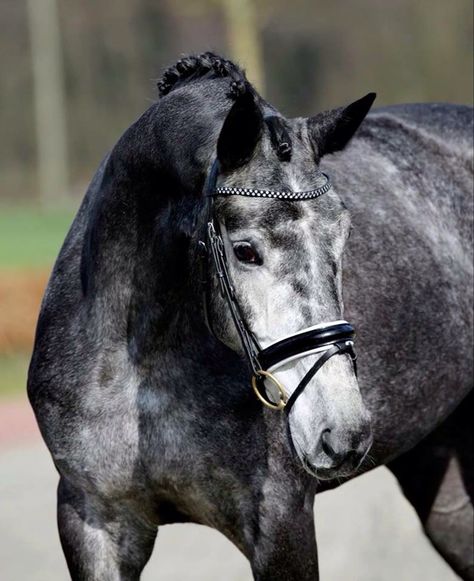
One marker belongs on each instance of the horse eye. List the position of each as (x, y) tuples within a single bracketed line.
[(245, 252)]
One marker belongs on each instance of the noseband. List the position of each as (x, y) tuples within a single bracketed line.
[(329, 339)]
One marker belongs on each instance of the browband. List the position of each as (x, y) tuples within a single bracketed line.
[(278, 195)]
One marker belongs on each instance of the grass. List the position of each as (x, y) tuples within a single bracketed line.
[(13, 370), (31, 237)]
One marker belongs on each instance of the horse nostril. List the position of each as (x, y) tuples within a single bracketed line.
[(329, 446), (353, 458), (326, 443)]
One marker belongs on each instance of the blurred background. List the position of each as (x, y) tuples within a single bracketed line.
[(74, 76)]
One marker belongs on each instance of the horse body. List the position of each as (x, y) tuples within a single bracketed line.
[(150, 418), (413, 236), (409, 265)]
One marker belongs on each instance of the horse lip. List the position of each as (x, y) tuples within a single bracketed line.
[(327, 473), (309, 467)]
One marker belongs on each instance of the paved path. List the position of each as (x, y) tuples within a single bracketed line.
[(366, 530)]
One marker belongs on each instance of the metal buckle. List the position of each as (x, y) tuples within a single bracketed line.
[(282, 392)]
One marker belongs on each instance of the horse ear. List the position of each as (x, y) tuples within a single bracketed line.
[(240, 133), (332, 130)]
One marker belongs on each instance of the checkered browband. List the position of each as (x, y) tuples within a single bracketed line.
[(281, 195)]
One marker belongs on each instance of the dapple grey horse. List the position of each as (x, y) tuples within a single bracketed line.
[(139, 379)]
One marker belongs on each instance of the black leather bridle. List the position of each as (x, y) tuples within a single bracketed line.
[(330, 339)]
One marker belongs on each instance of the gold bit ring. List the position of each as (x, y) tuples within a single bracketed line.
[(281, 390)]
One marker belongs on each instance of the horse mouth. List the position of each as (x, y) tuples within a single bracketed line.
[(346, 468)]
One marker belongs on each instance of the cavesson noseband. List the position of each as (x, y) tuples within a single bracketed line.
[(329, 339)]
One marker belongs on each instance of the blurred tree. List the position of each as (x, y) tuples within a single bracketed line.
[(244, 38), (315, 55), (49, 105)]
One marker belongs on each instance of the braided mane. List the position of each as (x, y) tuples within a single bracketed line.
[(208, 65), (211, 66)]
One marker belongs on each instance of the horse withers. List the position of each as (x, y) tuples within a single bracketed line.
[(193, 359)]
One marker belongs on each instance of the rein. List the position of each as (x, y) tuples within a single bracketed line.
[(334, 338)]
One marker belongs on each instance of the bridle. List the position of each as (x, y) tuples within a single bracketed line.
[(334, 338)]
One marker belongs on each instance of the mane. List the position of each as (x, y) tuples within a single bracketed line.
[(211, 66), (206, 65)]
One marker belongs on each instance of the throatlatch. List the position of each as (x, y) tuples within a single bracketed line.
[(329, 339)]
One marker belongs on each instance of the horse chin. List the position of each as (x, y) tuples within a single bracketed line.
[(323, 473), (331, 474)]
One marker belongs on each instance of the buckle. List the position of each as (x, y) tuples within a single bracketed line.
[(283, 396)]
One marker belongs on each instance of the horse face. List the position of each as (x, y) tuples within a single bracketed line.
[(285, 264), (284, 260)]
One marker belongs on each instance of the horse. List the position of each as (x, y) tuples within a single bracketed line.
[(194, 358)]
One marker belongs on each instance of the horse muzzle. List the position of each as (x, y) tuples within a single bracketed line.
[(327, 339)]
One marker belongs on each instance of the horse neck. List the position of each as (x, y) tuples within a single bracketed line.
[(140, 219)]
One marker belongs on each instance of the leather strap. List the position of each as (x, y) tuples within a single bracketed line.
[(305, 341), (336, 349)]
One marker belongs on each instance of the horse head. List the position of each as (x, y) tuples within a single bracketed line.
[(282, 265)]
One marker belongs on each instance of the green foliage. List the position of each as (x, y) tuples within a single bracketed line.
[(30, 237), (13, 371)]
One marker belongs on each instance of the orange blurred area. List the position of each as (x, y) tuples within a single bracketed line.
[(21, 292)]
